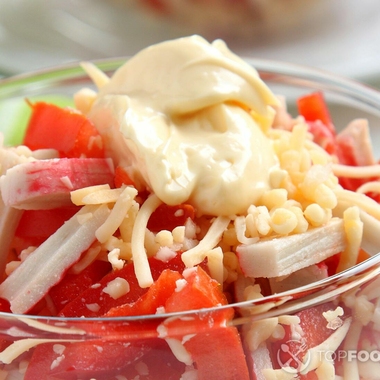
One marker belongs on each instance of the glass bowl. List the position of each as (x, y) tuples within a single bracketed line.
[(273, 329)]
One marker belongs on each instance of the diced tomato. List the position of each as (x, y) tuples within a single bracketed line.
[(218, 354), (93, 302), (40, 224), (168, 217), (83, 360), (158, 364), (154, 298), (332, 263), (313, 107), (215, 347), (63, 129), (362, 256), (122, 177), (72, 285), (317, 116), (309, 376), (4, 306), (316, 113), (199, 292)]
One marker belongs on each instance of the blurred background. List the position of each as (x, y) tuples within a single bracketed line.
[(342, 36)]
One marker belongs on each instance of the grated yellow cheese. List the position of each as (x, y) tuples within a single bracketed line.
[(353, 228), (117, 215), (114, 259), (197, 254), (78, 195), (117, 288), (18, 347), (140, 259)]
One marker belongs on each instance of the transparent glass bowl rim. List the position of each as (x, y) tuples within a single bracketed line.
[(280, 72)]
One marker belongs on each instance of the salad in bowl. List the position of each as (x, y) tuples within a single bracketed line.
[(187, 214)]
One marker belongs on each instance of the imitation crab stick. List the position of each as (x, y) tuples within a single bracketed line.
[(45, 184), (284, 255), (33, 278)]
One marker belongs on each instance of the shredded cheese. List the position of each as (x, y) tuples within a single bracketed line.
[(360, 200), (165, 254), (114, 259), (117, 288), (351, 343), (117, 215), (18, 347), (197, 254), (94, 307), (370, 186), (90, 255), (140, 259), (240, 224), (101, 196), (179, 350), (356, 171), (51, 328), (259, 332), (285, 373), (215, 264), (353, 228), (313, 357), (332, 318), (78, 195), (97, 76)]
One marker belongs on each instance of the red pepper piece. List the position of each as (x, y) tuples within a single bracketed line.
[(94, 296), (72, 285), (168, 217), (215, 347), (313, 107), (63, 129), (154, 298)]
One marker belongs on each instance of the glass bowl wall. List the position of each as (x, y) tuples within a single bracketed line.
[(123, 348)]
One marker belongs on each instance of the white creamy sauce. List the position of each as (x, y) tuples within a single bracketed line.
[(186, 119)]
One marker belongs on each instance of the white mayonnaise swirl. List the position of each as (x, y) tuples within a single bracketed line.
[(187, 118)]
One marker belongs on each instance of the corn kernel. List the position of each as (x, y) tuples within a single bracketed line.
[(262, 221), (298, 136), (290, 161), (230, 260), (164, 238), (251, 230), (317, 215), (178, 234), (229, 237), (274, 198), (302, 223), (276, 176), (305, 160), (283, 221)]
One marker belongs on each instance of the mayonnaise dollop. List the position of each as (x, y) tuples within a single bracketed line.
[(187, 118)]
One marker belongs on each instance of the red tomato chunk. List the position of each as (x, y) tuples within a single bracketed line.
[(63, 129)]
